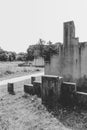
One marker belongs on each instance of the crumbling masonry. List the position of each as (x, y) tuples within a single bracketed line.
[(71, 62)]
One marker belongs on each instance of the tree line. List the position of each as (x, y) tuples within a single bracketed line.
[(11, 56), (40, 49)]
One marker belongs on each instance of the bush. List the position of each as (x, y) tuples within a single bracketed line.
[(8, 72), (3, 57)]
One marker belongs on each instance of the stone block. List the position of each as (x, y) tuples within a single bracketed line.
[(37, 88), (51, 89), (28, 88), (81, 99), (68, 86), (68, 91), (11, 88), (32, 80)]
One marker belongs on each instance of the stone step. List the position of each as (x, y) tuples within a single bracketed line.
[(28, 88), (37, 87), (10, 88), (81, 99), (32, 79)]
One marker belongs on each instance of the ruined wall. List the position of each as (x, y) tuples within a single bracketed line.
[(38, 61), (53, 68), (71, 62), (83, 54), (66, 64), (76, 60)]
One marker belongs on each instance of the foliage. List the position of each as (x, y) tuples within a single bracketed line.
[(7, 56), (21, 56), (36, 50), (3, 57), (49, 50), (42, 50), (12, 56)]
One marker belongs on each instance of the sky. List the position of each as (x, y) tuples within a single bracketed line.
[(23, 22)]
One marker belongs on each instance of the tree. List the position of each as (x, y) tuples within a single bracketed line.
[(41, 44), (49, 50), (42, 50), (3, 57), (35, 51), (12, 56), (21, 56), (30, 53)]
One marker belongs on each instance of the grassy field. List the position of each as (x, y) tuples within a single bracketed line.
[(11, 69)]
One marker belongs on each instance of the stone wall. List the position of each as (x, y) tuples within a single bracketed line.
[(51, 89), (71, 62), (38, 61)]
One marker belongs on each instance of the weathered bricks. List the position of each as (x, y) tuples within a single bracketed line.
[(28, 88), (37, 88), (51, 89), (11, 88), (32, 80), (68, 91)]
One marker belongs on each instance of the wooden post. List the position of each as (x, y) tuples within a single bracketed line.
[(11, 88)]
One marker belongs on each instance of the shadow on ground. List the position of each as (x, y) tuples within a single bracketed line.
[(72, 117)]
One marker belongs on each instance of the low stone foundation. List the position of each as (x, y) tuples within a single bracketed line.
[(81, 99), (68, 91), (28, 88), (37, 88), (11, 88), (32, 80), (51, 89)]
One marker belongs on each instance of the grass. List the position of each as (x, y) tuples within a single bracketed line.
[(11, 69)]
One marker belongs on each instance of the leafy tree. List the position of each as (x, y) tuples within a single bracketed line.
[(34, 51), (41, 44), (42, 50), (3, 57), (49, 50), (30, 53), (12, 56), (21, 56)]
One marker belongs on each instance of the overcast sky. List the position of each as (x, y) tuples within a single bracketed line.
[(23, 22)]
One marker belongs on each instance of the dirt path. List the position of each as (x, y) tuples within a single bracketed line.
[(17, 79)]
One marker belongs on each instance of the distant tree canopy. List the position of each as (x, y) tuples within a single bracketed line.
[(49, 50), (36, 50), (42, 50), (21, 56), (7, 56)]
